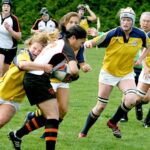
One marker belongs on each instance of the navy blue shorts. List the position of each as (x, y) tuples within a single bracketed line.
[(38, 88)]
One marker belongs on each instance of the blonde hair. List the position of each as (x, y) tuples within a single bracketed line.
[(39, 37), (53, 36), (42, 37)]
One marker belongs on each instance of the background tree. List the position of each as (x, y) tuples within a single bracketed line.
[(28, 11)]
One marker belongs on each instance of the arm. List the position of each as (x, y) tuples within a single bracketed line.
[(143, 55), (92, 16), (73, 68), (14, 34), (29, 66)]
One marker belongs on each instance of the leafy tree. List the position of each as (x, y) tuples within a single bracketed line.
[(28, 11)]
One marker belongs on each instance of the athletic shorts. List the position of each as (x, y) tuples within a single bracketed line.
[(59, 85), (16, 105), (107, 78), (143, 79), (38, 88), (9, 54)]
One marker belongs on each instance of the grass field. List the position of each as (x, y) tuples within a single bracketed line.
[(82, 98)]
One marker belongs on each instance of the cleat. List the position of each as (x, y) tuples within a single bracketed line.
[(15, 141), (146, 125), (115, 129), (139, 112), (29, 117), (82, 135)]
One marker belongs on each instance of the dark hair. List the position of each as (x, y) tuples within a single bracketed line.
[(76, 31)]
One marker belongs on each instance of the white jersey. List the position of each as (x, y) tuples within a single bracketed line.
[(47, 54), (6, 39)]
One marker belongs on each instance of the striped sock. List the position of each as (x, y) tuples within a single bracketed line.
[(51, 130), (35, 123)]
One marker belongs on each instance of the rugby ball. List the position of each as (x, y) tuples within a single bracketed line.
[(62, 73)]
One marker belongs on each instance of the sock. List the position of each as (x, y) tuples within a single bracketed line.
[(35, 123), (51, 130), (91, 119), (122, 109), (147, 119), (60, 120)]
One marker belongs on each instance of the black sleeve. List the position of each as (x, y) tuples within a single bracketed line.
[(16, 24)]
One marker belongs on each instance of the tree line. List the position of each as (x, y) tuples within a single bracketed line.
[(28, 11)]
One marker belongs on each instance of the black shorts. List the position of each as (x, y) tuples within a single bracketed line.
[(38, 88), (9, 54)]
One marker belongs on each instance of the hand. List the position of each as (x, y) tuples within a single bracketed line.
[(92, 32), (137, 63), (86, 68), (88, 44), (87, 6), (7, 26), (48, 68)]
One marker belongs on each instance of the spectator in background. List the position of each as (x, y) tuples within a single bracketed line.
[(85, 20), (45, 23), (9, 35)]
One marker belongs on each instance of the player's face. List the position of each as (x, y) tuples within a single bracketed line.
[(81, 12), (72, 22), (35, 49), (145, 23), (77, 43), (6, 8), (45, 17), (126, 24)]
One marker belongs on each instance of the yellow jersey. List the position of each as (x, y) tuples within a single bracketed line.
[(11, 84), (120, 52)]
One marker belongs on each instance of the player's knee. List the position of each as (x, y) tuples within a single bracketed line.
[(63, 111)]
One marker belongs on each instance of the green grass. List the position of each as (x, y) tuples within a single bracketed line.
[(83, 96)]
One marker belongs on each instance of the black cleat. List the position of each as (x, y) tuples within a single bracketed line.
[(15, 141)]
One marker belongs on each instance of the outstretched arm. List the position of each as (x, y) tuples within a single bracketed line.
[(92, 16)]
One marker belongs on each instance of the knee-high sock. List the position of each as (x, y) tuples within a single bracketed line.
[(51, 130), (147, 119), (122, 109), (35, 123), (91, 119)]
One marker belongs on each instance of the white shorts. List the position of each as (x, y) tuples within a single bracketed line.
[(107, 78), (59, 85), (16, 105), (143, 79)]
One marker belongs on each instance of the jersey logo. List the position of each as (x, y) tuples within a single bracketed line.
[(134, 43)]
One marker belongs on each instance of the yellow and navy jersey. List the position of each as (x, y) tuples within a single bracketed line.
[(11, 84), (148, 56), (120, 51), (84, 22)]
